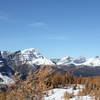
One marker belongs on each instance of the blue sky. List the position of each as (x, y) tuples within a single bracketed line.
[(55, 27)]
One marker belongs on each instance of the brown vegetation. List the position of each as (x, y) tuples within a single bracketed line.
[(32, 88), (67, 95)]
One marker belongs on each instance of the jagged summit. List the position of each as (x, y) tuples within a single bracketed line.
[(34, 57), (31, 53), (30, 56), (24, 61), (94, 61)]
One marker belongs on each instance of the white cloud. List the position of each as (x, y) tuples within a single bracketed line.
[(38, 24)]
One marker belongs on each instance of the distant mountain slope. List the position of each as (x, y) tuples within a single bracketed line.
[(4, 68), (5, 72), (34, 57), (95, 61), (31, 60), (30, 56)]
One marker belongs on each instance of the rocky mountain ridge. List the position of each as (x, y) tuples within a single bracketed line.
[(31, 60)]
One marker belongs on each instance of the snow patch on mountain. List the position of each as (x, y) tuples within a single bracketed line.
[(95, 61), (69, 60), (5, 53), (5, 79), (33, 56), (29, 56)]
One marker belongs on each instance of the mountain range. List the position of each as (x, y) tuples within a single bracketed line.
[(94, 61), (33, 56), (31, 59)]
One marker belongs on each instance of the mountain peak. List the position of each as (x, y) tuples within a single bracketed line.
[(65, 58), (33, 56), (94, 61), (30, 55), (30, 50)]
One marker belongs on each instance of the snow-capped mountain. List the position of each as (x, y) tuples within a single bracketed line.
[(29, 60), (95, 61), (22, 62), (69, 60), (30, 56), (5, 53), (4, 68), (5, 72), (33, 56)]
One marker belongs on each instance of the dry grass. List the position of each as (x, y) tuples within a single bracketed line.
[(67, 95), (83, 92)]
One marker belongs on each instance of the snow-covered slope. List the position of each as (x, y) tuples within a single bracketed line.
[(5, 79), (33, 56), (5, 53), (69, 60), (5, 72), (65, 60), (95, 61), (58, 94), (29, 56)]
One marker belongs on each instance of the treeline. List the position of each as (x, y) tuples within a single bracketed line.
[(92, 84), (34, 86)]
